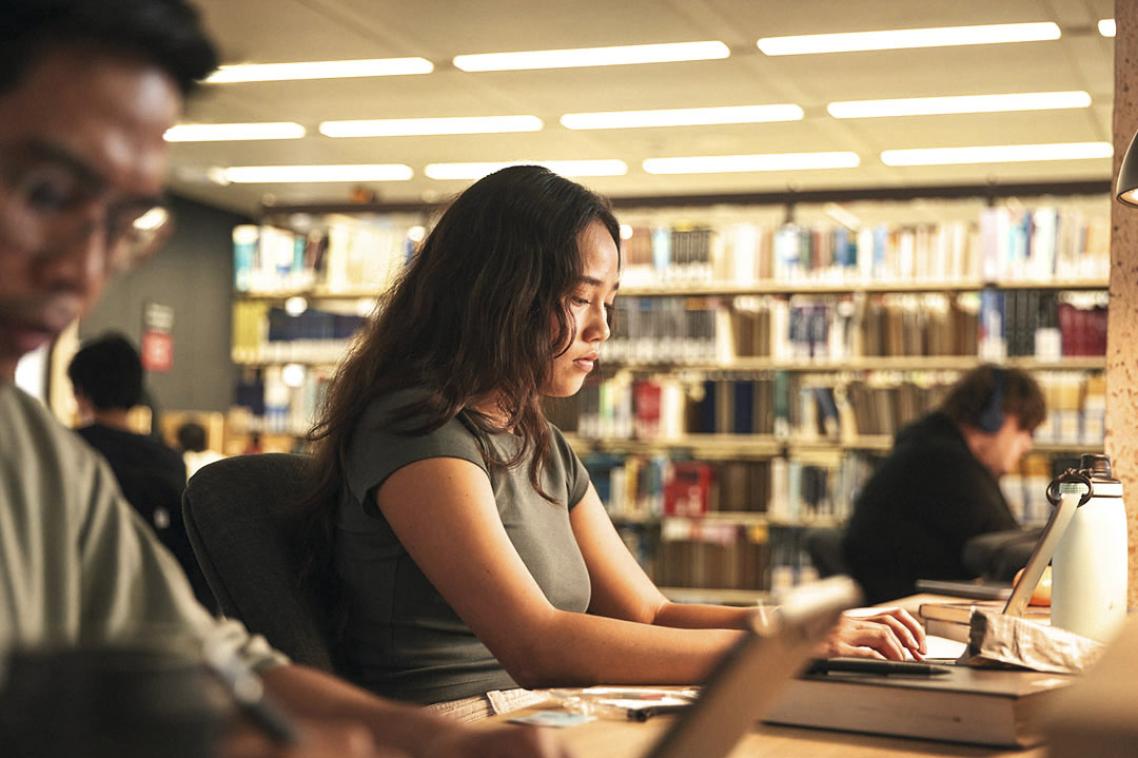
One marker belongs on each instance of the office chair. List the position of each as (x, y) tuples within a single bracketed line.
[(246, 525)]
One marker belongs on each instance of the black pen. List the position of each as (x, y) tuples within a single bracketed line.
[(874, 666)]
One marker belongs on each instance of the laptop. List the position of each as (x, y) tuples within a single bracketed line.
[(749, 678)]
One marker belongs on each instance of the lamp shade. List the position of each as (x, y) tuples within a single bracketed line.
[(1126, 186)]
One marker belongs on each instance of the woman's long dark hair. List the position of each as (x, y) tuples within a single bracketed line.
[(469, 319)]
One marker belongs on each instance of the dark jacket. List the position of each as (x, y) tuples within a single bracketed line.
[(911, 520), (152, 478)]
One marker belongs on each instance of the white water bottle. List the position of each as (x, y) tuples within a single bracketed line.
[(1089, 568)]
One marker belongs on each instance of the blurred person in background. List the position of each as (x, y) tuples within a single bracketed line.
[(940, 485), (192, 442)]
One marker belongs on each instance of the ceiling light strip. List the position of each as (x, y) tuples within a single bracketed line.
[(279, 72), (354, 172), (593, 56), (406, 127), (266, 130), (734, 114), (941, 156), (477, 170), (894, 39), (935, 106), (720, 164)]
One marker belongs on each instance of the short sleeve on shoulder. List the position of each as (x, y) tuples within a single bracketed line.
[(378, 448), (576, 477)]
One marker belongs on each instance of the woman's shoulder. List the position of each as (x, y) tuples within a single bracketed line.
[(403, 416)]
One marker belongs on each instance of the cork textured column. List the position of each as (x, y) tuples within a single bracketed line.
[(1122, 328)]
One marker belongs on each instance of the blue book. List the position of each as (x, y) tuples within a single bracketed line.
[(704, 411), (744, 407)]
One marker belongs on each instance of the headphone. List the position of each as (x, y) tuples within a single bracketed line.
[(991, 416)]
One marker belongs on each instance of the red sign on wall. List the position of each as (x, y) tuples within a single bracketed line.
[(157, 338), (157, 351)]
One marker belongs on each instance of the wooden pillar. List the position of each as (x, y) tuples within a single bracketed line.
[(1122, 328)]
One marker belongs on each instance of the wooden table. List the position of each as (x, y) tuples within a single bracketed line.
[(609, 738), (612, 738)]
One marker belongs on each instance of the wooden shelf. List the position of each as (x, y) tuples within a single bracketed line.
[(737, 446), (730, 289), (812, 287), (310, 294), (746, 518), (864, 363)]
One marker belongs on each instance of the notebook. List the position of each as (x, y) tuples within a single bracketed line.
[(749, 678)]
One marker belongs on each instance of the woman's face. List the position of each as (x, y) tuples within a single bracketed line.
[(588, 304)]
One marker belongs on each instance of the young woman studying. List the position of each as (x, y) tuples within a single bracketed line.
[(473, 553)]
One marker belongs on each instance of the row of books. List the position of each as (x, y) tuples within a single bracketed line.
[(263, 333), (1047, 325), (708, 554), (787, 491), (282, 399), (712, 554), (1002, 244), (351, 254), (804, 406), (826, 328), (1026, 489)]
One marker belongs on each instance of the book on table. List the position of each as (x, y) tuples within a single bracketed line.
[(967, 705), (961, 613)]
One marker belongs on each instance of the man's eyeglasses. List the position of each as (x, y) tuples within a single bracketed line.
[(49, 201)]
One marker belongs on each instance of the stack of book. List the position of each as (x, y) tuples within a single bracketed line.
[(952, 620)]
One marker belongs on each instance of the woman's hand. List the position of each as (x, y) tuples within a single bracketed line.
[(876, 633)]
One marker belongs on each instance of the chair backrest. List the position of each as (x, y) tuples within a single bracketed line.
[(245, 522)]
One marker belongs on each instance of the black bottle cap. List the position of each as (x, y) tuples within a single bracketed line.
[(1098, 466)]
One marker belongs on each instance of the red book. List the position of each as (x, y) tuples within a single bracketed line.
[(688, 492), (646, 398)]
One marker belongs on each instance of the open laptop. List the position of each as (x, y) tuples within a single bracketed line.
[(747, 680)]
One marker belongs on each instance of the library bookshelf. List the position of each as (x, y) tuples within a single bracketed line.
[(762, 359)]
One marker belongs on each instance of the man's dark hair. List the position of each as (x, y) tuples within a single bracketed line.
[(191, 437), (108, 372), (167, 33), (973, 395)]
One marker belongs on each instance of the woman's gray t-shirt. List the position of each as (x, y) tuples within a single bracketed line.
[(402, 640)]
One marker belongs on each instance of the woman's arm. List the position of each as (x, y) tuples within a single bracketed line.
[(443, 512), (622, 590)]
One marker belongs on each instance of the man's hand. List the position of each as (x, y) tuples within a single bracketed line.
[(887, 633)]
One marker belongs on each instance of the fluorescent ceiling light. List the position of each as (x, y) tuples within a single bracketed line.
[(354, 172), (988, 34), (933, 106), (734, 114), (721, 164), (234, 132), (1106, 27), (594, 56), (279, 72), (403, 127), (939, 156), (468, 171)]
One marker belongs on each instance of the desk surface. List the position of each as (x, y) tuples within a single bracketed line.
[(607, 738)]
